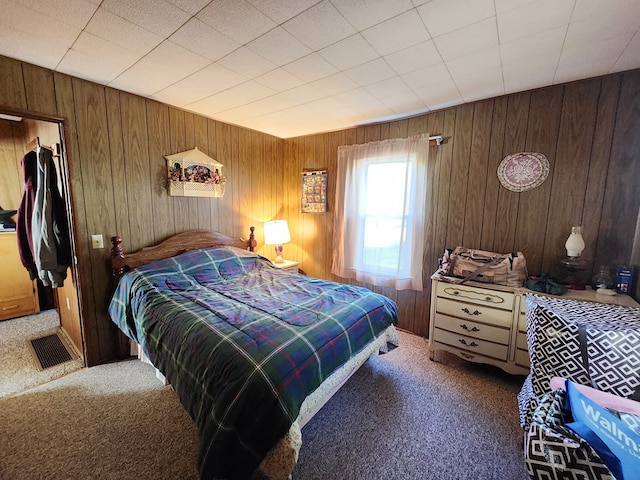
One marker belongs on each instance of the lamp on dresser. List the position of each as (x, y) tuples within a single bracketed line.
[(573, 262), (276, 232)]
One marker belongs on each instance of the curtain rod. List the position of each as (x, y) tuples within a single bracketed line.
[(435, 140)]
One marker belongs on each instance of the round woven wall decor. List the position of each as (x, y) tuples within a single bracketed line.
[(523, 171)]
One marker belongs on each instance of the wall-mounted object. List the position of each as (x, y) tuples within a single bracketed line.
[(193, 173), (523, 171), (314, 191)]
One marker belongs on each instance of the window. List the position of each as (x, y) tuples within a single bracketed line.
[(380, 206)]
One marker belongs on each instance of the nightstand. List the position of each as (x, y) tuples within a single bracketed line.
[(288, 265)]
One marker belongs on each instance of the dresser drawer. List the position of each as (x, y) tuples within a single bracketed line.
[(472, 329), (522, 322), (17, 307), (521, 341), (479, 296), (471, 344), (478, 313)]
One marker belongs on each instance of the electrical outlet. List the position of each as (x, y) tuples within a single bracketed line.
[(96, 242)]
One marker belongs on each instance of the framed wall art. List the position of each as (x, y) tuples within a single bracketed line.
[(314, 191)]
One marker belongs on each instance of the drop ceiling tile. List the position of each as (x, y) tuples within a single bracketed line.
[(533, 17), (278, 46), (237, 19), (310, 68), (440, 95), (247, 63), (363, 14), (468, 65), (426, 76), (526, 73), (590, 60), (115, 29), (282, 10), (444, 16), (71, 12), (542, 44), (279, 80), (629, 58), (469, 39), (597, 29), (319, 26), (503, 6), (190, 6), (180, 60), (404, 104), (414, 58), (585, 9), (35, 48), (388, 87), (335, 83), (81, 58), (204, 40), (484, 84), (237, 96), (397, 33), (350, 52), (206, 82), (157, 16), (370, 72)]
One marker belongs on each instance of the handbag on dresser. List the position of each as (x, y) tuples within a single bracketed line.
[(509, 269)]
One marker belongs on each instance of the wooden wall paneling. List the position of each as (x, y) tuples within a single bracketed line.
[(295, 212), (459, 174), (182, 206), (248, 193), (162, 205), (11, 153), (238, 183), (493, 187), (39, 89), (577, 123), (313, 224), (119, 171), (334, 140), (65, 104), (94, 161), (206, 206), (272, 183), (478, 172), (259, 178), (12, 89), (289, 201), (441, 211), (514, 142), (136, 156), (207, 128), (533, 207), (194, 203), (599, 166), (225, 204), (622, 201)]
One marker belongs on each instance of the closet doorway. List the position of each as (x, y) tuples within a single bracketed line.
[(20, 133)]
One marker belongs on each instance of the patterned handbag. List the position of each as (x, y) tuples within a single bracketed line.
[(509, 269)]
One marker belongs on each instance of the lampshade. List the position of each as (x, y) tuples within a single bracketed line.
[(276, 232), (575, 242)]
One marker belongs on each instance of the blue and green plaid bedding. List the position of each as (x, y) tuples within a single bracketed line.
[(243, 343)]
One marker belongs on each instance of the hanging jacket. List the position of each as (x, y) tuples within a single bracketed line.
[(25, 212)]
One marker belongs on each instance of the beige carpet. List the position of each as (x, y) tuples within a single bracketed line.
[(400, 417), (18, 367)]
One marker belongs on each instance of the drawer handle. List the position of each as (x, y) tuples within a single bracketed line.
[(464, 342), (466, 355), (469, 312), (473, 329), (10, 307)]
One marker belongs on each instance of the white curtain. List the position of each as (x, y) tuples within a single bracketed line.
[(380, 212)]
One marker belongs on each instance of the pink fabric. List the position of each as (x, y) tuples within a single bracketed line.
[(604, 399)]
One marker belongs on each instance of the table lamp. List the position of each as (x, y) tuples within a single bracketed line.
[(276, 232), (572, 262)]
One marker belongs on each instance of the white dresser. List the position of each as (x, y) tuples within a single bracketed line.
[(486, 323)]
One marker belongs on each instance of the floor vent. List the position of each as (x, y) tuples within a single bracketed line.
[(50, 351)]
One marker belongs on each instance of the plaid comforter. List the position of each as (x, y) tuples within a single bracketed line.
[(243, 343)]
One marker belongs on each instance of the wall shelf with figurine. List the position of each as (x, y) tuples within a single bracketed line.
[(194, 174)]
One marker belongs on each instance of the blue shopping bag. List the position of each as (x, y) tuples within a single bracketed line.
[(606, 433)]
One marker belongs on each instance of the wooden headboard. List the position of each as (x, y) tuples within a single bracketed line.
[(172, 246)]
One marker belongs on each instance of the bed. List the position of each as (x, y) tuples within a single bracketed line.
[(252, 351)]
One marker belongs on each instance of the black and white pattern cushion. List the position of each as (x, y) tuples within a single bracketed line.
[(592, 344)]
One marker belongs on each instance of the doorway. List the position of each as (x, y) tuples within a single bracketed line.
[(19, 134)]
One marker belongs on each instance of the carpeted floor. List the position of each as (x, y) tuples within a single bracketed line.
[(400, 417), (18, 368)]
